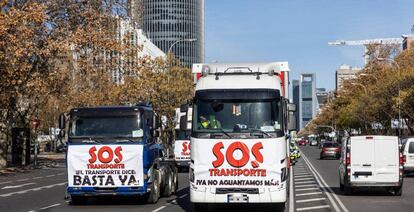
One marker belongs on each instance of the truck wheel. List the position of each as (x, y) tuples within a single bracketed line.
[(201, 207), (175, 183), (78, 200), (168, 187), (341, 187), (348, 190), (398, 191), (154, 194)]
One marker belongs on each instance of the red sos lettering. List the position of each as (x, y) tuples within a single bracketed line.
[(186, 146), (255, 151), (110, 154)]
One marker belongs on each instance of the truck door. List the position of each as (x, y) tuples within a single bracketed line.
[(386, 159), (362, 159)]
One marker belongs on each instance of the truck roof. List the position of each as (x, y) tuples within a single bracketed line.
[(109, 110), (262, 67)]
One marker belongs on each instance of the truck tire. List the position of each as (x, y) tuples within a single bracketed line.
[(348, 190), (169, 184), (341, 187), (201, 207), (175, 182), (398, 191), (154, 194), (78, 200)]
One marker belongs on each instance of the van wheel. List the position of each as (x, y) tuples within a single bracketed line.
[(168, 188), (398, 191), (154, 194), (348, 190)]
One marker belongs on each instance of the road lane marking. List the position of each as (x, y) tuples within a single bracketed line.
[(304, 179), (182, 196), (303, 176), (307, 189), (291, 196), (309, 185), (32, 189), (52, 175), (25, 179), (37, 177), (325, 186), (5, 182), (307, 194), (61, 174), (310, 200), (305, 182), (160, 208), (313, 208), (50, 206), (17, 186)]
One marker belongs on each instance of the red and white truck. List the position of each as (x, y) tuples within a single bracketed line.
[(239, 149), (181, 143)]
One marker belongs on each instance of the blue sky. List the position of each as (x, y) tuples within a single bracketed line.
[(298, 31)]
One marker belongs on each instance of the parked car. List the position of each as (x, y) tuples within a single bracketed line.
[(302, 142), (408, 152), (373, 162), (330, 150)]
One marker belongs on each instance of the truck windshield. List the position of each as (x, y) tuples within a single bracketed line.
[(106, 126), (238, 116)]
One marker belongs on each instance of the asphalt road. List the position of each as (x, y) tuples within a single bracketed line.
[(362, 200), (314, 187)]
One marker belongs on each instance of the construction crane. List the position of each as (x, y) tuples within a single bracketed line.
[(365, 43)]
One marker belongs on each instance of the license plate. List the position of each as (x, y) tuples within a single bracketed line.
[(233, 198)]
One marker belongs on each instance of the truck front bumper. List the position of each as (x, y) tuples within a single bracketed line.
[(265, 195), (94, 191)]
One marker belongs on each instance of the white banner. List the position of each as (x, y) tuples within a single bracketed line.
[(238, 163), (182, 150), (105, 165)]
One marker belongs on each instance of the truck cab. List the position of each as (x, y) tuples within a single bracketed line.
[(115, 151), (239, 150)]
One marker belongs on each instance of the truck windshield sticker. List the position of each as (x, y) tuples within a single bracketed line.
[(267, 128), (137, 133), (277, 126)]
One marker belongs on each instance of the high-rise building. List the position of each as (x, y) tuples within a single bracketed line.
[(408, 42), (345, 72), (308, 102), (167, 21), (296, 97)]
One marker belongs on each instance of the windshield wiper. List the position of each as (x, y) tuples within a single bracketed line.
[(222, 131), (87, 139), (261, 131), (123, 138)]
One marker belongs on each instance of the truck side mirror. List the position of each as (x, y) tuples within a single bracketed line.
[(183, 122), (184, 108), (291, 121), (62, 121), (291, 107)]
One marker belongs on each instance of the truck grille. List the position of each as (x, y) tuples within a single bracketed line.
[(237, 190)]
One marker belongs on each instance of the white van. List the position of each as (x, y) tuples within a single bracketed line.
[(408, 152), (371, 161)]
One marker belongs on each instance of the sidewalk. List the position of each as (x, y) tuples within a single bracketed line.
[(45, 160)]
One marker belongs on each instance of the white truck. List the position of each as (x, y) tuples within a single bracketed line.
[(239, 150), (181, 143), (371, 161)]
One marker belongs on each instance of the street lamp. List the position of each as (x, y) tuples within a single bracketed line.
[(169, 61), (399, 90)]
